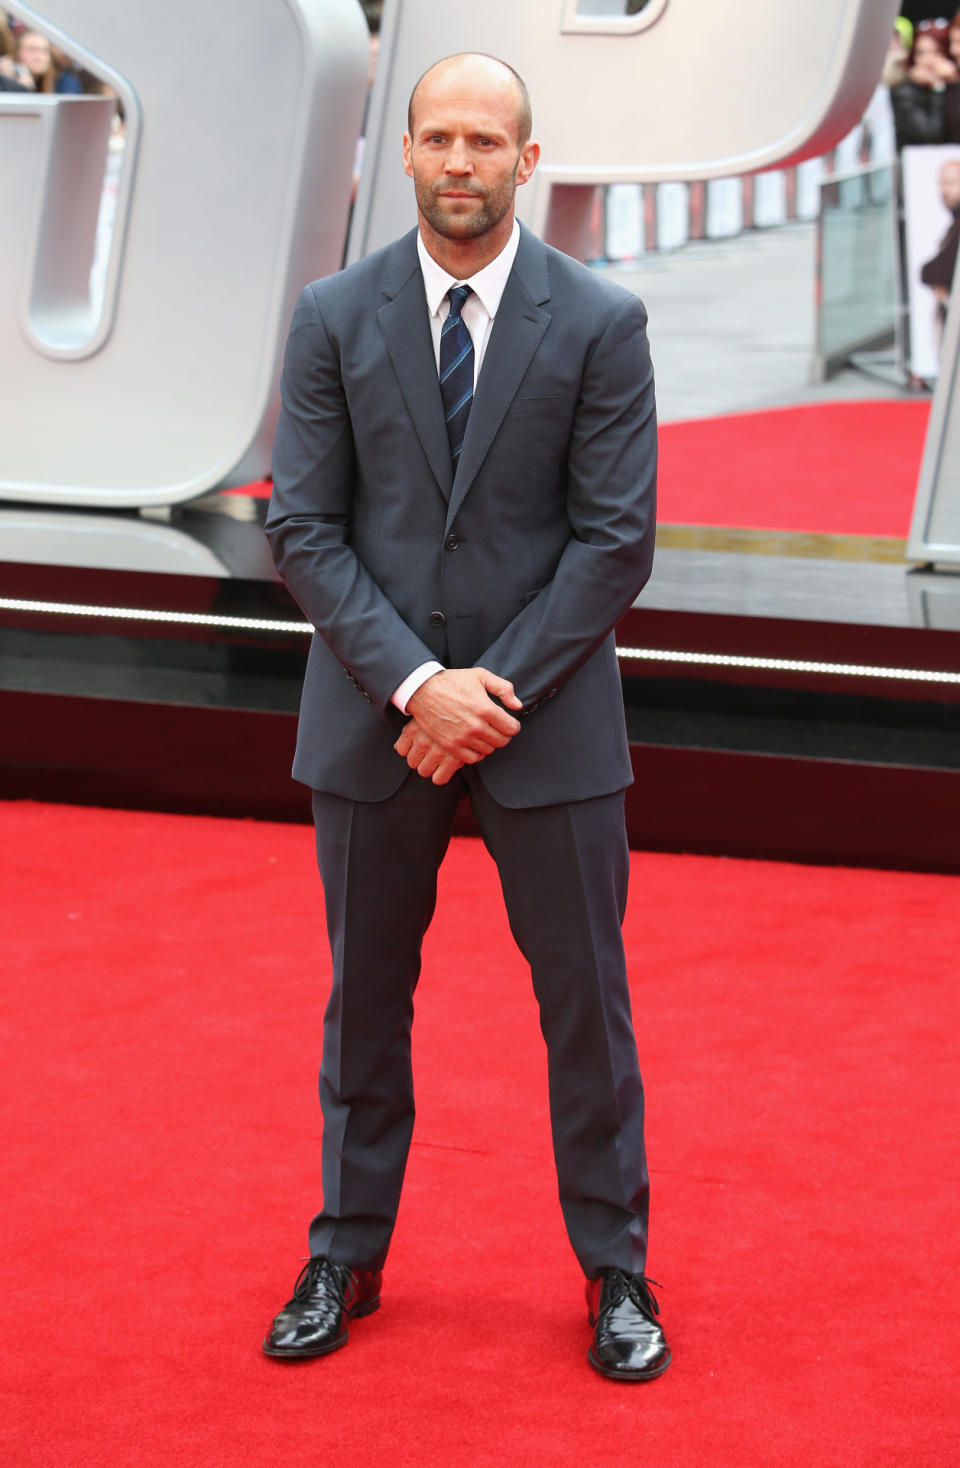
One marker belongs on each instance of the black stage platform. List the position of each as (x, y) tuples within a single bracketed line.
[(787, 696)]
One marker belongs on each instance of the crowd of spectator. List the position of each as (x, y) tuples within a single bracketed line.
[(27, 60), (922, 73), (29, 63)]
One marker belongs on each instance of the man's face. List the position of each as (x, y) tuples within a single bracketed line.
[(950, 185), (464, 153)]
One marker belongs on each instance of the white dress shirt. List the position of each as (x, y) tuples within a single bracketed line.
[(478, 314)]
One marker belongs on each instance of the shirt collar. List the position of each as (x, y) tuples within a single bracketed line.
[(488, 284)]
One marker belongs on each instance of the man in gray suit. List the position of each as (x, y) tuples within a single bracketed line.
[(463, 506)]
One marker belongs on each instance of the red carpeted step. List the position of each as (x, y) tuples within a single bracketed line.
[(843, 468), (164, 982)]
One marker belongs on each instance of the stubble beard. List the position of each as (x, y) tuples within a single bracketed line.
[(495, 204)]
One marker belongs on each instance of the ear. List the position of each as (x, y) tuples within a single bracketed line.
[(529, 158), (408, 155)]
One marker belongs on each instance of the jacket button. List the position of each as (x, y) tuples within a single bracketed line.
[(452, 542), (438, 619)]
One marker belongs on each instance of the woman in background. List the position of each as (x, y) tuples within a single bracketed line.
[(919, 102), (33, 52)]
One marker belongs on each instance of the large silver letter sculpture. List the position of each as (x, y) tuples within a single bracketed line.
[(242, 124), (235, 189)]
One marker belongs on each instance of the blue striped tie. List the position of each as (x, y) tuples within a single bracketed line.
[(456, 370)]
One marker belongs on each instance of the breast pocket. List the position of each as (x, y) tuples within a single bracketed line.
[(524, 407)]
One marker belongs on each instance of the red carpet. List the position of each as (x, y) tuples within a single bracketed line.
[(164, 982), (841, 468)]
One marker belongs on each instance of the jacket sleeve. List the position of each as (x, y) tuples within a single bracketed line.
[(939, 271), (308, 522), (611, 507), (917, 114)]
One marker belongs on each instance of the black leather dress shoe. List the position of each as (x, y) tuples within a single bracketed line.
[(325, 1296), (628, 1342)]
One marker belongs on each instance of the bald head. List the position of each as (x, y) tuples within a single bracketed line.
[(950, 184), (474, 68), (468, 150)]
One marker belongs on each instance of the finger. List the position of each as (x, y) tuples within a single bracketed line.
[(498, 726), (473, 733), (445, 771), (417, 752), (407, 736), (473, 748), (431, 760), (489, 723), (475, 744), (500, 688), (480, 748)]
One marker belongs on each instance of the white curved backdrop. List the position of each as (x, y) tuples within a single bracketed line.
[(160, 383)]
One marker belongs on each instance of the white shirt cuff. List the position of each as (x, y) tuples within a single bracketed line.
[(412, 682)]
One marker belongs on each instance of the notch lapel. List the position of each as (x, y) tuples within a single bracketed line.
[(517, 332), (406, 331)]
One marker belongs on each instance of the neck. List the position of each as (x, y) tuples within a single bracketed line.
[(463, 258)]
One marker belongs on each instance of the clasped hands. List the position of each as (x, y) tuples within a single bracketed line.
[(455, 721)]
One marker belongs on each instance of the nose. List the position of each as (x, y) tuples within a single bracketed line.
[(458, 159)]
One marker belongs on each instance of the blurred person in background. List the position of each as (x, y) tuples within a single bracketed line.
[(898, 53), (48, 70), (938, 272), (372, 16), (14, 76), (69, 80), (953, 40), (35, 53), (951, 97), (30, 59), (919, 101)]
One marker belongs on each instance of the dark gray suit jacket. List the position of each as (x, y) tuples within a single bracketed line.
[(522, 563)]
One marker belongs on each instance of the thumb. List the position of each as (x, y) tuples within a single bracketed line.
[(501, 688)]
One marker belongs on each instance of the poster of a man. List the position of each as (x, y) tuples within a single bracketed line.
[(931, 190), (938, 272)]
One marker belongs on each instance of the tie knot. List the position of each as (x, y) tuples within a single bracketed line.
[(458, 295)]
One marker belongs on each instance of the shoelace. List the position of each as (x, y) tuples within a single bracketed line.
[(338, 1276), (634, 1286)]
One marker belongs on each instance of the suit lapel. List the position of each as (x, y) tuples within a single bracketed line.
[(406, 331), (518, 329)]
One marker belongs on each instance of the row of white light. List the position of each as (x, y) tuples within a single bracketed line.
[(149, 614), (786, 665), (644, 654)]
